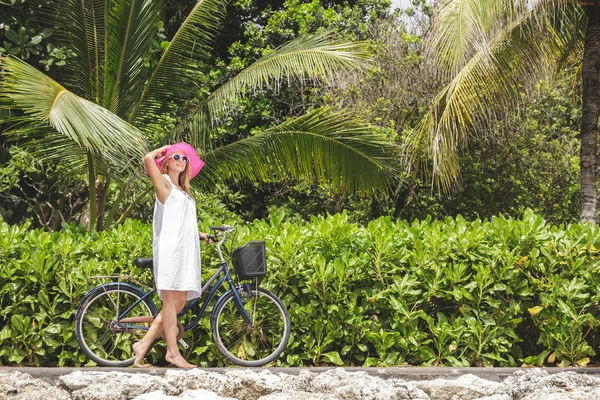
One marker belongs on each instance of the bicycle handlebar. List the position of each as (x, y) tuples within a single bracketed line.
[(220, 228), (220, 237)]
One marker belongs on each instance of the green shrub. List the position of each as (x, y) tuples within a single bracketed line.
[(499, 292)]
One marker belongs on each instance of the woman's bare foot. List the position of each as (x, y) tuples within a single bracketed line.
[(139, 353), (179, 361)]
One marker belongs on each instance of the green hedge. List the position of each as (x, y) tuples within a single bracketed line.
[(502, 292)]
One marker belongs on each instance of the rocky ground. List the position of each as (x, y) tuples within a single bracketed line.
[(334, 384)]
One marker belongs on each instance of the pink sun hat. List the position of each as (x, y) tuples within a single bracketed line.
[(196, 163)]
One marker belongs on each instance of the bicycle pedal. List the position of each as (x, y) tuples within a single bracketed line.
[(184, 344)]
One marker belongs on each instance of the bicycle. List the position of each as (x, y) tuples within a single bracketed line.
[(250, 325)]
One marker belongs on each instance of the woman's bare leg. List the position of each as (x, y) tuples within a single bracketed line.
[(141, 348), (173, 302)]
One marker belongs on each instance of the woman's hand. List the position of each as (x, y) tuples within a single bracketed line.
[(204, 237), (157, 153)]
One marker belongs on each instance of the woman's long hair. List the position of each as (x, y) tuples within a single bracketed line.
[(184, 176)]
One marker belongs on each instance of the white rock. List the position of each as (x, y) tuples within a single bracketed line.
[(113, 385), (466, 387), (408, 390), (297, 383), (555, 394), (537, 384), (156, 395), (192, 379), (362, 386), (241, 384), (199, 394), (19, 386), (496, 397), (334, 384), (249, 385), (298, 395)]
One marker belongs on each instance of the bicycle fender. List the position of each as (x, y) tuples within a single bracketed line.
[(139, 291), (213, 317)]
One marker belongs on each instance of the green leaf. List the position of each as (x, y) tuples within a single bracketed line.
[(11, 35), (333, 357), (535, 310), (18, 323), (5, 333), (17, 356), (391, 358), (346, 349), (583, 362), (36, 39), (370, 361)]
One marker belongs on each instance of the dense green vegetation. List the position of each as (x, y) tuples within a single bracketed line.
[(501, 292), (521, 41), (463, 255), (125, 88), (522, 157)]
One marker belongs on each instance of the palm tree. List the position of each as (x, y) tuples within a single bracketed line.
[(486, 49), (117, 87)]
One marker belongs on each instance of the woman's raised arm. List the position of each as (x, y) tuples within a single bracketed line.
[(161, 186)]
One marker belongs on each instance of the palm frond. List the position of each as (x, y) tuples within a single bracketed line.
[(47, 145), (83, 26), (132, 29), (461, 27), (196, 130), (569, 33), (200, 127), (466, 28), (488, 82), (316, 56), (44, 143), (171, 77), (330, 148), (85, 123)]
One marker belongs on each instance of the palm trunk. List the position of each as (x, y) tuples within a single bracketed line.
[(101, 189), (92, 188), (589, 117)]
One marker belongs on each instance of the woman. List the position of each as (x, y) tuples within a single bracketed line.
[(175, 245)]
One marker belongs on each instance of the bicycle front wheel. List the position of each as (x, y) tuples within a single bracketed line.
[(102, 337), (257, 343)]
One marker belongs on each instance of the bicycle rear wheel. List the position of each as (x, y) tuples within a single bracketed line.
[(255, 344), (104, 339)]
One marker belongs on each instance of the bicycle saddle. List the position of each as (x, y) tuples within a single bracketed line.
[(143, 262)]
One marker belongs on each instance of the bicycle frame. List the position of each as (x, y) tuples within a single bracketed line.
[(224, 268)]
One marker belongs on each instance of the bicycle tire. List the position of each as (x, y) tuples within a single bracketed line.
[(93, 320), (237, 341)]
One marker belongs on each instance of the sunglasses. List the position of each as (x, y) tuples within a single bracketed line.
[(177, 157)]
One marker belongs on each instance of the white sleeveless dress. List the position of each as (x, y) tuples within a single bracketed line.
[(176, 245)]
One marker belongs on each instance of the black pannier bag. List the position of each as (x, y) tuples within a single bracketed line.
[(250, 260)]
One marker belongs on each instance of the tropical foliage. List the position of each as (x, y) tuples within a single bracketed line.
[(497, 292), (297, 120), (124, 83), (485, 49), (392, 96)]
